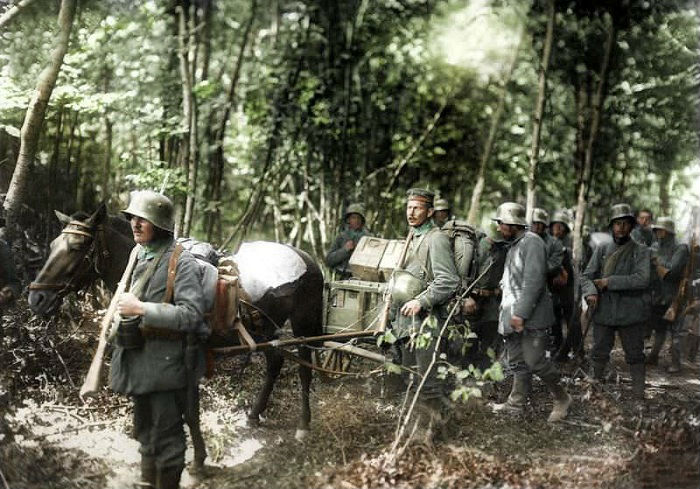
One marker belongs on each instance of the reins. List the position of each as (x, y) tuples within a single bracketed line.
[(95, 257)]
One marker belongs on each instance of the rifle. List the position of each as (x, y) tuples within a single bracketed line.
[(384, 317), (681, 298), (93, 379)]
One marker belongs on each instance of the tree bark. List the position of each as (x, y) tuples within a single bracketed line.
[(12, 12), (597, 106), (539, 110), (488, 145), (34, 118)]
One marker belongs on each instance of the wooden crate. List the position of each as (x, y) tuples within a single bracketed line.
[(352, 305), (390, 258), (364, 262)]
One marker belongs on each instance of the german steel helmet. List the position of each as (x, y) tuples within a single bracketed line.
[(405, 286), (511, 213), (540, 215), (153, 207), (355, 209), (562, 217), (441, 205), (665, 223), (621, 211)]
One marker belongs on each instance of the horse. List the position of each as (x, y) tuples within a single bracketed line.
[(98, 245)]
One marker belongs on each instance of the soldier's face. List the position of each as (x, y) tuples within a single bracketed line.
[(538, 227), (660, 234), (142, 230), (644, 219), (354, 221), (440, 217), (558, 230), (507, 231), (418, 212), (621, 228)]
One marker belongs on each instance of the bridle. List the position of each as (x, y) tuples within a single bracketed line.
[(95, 258)]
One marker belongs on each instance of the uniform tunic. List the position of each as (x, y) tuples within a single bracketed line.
[(338, 257)]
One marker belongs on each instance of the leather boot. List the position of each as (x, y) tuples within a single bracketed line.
[(148, 472), (168, 477), (638, 373), (659, 338), (675, 366), (692, 342), (598, 371), (518, 395), (562, 401)]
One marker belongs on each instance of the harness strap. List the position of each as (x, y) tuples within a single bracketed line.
[(172, 271)]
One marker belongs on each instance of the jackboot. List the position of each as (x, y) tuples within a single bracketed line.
[(638, 373), (562, 401), (675, 366), (518, 395), (653, 356), (692, 342), (169, 477), (598, 371), (148, 472)]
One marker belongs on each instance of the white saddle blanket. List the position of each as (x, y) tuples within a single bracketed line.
[(265, 265)]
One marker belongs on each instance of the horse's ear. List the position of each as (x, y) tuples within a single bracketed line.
[(65, 220), (99, 215)]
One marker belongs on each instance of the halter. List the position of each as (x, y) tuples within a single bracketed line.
[(95, 257)]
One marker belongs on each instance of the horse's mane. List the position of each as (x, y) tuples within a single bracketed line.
[(117, 222)]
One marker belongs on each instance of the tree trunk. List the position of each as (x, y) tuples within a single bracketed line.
[(664, 197), (107, 162), (12, 12), (34, 118), (488, 146), (539, 110), (597, 106)]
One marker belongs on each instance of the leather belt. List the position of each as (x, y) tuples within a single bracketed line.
[(487, 292), (162, 334)]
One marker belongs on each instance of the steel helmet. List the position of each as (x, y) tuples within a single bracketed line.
[(562, 217), (152, 206), (621, 211), (441, 205), (511, 213), (355, 209), (665, 223), (540, 215)]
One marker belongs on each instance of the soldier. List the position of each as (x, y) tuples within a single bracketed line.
[(10, 286), (443, 213), (556, 274), (422, 288), (526, 313), (345, 243), (642, 232), (614, 285), (481, 307), (563, 289), (152, 348), (670, 259)]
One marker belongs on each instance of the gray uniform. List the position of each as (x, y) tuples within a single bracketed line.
[(642, 235), (156, 374), (338, 256), (623, 306), (525, 294), (429, 259)]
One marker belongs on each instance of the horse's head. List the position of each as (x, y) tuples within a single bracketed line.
[(76, 259)]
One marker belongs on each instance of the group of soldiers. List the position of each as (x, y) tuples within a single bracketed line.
[(526, 293)]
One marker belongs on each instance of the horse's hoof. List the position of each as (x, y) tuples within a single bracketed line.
[(301, 435)]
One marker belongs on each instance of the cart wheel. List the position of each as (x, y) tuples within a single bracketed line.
[(332, 360)]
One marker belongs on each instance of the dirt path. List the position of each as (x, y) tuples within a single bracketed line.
[(49, 439)]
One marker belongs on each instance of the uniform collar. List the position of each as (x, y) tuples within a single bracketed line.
[(423, 228), (150, 250)]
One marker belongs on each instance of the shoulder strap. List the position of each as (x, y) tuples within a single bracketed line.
[(172, 271)]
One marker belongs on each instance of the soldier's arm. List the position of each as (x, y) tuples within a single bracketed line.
[(678, 262), (445, 279), (534, 272), (186, 312), (591, 273), (640, 276), (338, 254), (555, 258)]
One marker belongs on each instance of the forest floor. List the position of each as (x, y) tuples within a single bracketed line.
[(50, 439)]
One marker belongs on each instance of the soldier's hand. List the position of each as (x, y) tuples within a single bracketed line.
[(601, 283), (661, 271), (411, 308), (469, 306), (349, 245), (129, 305), (517, 323), (592, 301)]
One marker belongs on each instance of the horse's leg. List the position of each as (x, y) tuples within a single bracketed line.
[(305, 378), (200, 448), (273, 361)]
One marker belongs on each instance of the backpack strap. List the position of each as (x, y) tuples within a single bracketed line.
[(172, 271)]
